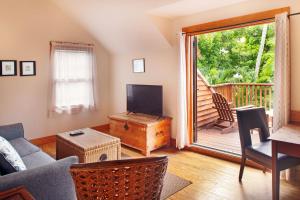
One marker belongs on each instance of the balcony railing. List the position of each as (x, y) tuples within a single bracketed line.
[(242, 94)]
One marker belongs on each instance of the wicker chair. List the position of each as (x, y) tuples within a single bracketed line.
[(140, 178)]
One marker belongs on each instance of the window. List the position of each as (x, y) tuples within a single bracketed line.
[(72, 77)]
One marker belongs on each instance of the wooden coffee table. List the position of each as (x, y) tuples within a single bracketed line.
[(92, 146)]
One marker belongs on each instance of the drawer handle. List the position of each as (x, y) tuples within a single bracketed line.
[(103, 157), (126, 127), (159, 133)]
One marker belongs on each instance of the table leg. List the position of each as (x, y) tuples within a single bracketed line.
[(275, 172)]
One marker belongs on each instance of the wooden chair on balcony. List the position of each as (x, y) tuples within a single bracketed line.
[(226, 113)]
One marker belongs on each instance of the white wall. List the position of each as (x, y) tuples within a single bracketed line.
[(27, 27)]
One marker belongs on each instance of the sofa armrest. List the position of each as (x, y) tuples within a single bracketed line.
[(49, 182), (12, 131)]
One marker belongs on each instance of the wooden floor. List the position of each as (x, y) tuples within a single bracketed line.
[(214, 179), (229, 142)]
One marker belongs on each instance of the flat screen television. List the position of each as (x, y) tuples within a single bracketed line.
[(146, 99)]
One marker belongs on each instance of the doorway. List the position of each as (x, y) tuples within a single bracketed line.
[(239, 65)]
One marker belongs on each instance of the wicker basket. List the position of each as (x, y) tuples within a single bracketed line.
[(92, 146)]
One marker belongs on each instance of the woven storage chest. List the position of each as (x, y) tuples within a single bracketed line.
[(92, 146)]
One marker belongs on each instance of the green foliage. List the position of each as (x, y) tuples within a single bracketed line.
[(230, 56)]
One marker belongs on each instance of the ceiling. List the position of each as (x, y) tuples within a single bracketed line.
[(133, 25), (188, 7)]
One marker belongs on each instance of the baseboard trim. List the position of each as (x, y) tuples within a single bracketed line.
[(43, 140), (173, 142), (102, 128), (295, 116), (221, 155), (52, 138)]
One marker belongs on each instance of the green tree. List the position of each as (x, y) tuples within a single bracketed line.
[(230, 56)]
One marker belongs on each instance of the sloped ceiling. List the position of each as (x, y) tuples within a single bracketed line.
[(190, 7), (123, 26)]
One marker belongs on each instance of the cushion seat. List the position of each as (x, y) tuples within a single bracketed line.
[(37, 159), (23, 147), (263, 152)]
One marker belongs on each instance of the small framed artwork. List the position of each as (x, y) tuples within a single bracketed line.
[(8, 67), (138, 65), (27, 68)]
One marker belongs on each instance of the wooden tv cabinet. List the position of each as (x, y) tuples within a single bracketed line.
[(140, 131)]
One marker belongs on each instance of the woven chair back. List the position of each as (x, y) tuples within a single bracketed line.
[(134, 179)]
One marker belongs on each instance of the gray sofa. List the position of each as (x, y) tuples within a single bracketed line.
[(45, 178)]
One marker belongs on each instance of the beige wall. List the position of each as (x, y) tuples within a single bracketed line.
[(27, 26), (160, 70)]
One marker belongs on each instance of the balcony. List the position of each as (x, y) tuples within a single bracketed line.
[(237, 95), (243, 94)]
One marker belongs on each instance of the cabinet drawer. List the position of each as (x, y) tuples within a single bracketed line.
[(141, 132), (130, 133), (158, 136), (135, 135)]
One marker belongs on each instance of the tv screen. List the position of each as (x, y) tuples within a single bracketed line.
[(146, 99)]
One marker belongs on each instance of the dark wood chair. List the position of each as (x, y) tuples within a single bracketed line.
[(140, 178), (225, 112), (261, 153)]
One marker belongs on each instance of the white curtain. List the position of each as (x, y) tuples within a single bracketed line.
[(182, 130), (282, 77), (282, 81), (72, 77)]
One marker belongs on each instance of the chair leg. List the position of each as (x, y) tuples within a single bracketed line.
[(276, 185), (243, 161)]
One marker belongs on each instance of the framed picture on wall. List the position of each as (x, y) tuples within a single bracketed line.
[(27, 68), (8, 67), (138, 65)]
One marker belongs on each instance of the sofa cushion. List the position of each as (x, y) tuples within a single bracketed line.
[(10, 160), (23, 147), (37, 159), (12, 131)]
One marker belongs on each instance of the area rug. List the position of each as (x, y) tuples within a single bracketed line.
[(172, 183)]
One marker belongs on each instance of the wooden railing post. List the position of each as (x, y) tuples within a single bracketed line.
[(242, 94), (260, 96)]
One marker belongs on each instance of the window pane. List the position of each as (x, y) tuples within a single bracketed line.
[(72, 94), (70, 65)]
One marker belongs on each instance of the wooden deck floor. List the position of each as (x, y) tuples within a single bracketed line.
[(229, 142)]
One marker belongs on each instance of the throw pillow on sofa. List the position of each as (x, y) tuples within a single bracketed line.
[(10, 160)]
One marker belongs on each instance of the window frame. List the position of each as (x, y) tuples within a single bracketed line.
[(68, 46), (235, 22)]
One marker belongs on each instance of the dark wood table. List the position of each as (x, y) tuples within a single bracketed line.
[(18, 193), (287, 141)]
